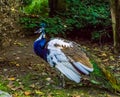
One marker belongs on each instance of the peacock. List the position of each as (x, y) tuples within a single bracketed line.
[(72, 60)]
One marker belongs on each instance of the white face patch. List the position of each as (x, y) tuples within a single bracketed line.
[(42, 35)]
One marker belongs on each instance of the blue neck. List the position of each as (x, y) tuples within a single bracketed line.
[(39, 48)]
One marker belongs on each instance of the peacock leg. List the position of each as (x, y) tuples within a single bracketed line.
[(62, 80)]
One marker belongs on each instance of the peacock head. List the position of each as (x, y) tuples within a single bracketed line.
[(42, 25), (41, 29)]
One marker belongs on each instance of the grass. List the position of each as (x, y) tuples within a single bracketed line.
[(28, 86), (41, 81), (27, 90), (3, 85)]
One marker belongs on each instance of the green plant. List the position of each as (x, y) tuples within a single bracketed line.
[(80, 14), (36, 7), (3, 85), (100, 36), (26, 2), (54, 25), (28, 23), (86, 13)]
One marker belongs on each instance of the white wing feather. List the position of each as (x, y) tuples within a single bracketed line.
[(83, 67), (69, 71), (60, 42), (58, 59), (61, 62)]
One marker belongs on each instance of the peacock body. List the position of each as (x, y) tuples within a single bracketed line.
[(64, 55), (69, 58)]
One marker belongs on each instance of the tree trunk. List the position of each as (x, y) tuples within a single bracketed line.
[(56, 6), (115, 15)]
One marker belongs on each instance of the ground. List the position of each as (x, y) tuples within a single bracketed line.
[(23, 74)]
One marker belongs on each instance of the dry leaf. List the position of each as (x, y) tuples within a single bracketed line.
[(39, 92), (11, 79), (112, 58), (32, 85), (18, 43), (104, 54), (27, 93), (17, 65), (105, 60), (13, 62)]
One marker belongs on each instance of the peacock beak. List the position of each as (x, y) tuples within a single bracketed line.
[(38, 31)]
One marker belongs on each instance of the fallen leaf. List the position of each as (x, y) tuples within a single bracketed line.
[(48, 79), (112, 67), (27, 93), (2, 59), (5, 70), (17, 58), (95, 82), (12, 86), (11, 79), (103, 54), (75, 95), (39, 92), (13, 62), (105, 60), (17, 65), (18, 43), (112, 58), (32, 85)]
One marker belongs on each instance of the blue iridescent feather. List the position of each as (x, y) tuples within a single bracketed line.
[(39, 48)]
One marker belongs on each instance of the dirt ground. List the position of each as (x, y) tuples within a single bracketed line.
[(18, 62)]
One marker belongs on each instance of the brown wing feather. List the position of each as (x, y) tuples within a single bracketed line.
[(75, 53)]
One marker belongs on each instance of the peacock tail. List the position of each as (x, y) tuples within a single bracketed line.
[(104, 78)]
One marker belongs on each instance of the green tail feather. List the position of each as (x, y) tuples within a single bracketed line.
[(103, 77)]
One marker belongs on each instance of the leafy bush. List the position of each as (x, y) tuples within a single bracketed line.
[(80, 14), (26, 2), (100, 36), (88, 13), (36, 7), (29, 25)]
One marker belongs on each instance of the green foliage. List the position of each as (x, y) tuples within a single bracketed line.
[(28, 23), (3, 85), (80, 14), (87, 13), (54, 26), (98, 35), (26, 2), (36, 7)]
